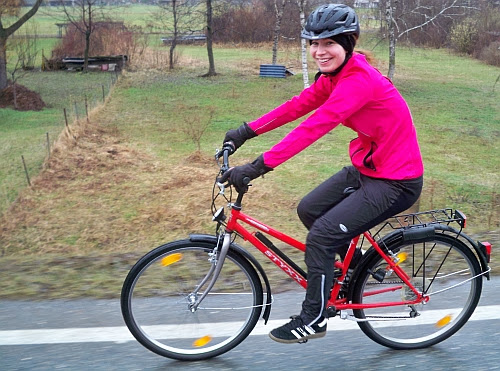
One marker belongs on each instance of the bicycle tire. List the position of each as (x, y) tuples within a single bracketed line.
[(436, 263), (155, 294)]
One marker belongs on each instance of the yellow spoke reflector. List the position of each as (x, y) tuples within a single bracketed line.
[(171, 259), (444, 321), (402, 256), (202, 341)]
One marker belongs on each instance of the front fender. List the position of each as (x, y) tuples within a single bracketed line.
[(246, 255)]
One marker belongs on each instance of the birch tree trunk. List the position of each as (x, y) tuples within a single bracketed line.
[(305, 71), (390, 8)]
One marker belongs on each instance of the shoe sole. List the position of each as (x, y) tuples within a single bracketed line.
[(314, 336)]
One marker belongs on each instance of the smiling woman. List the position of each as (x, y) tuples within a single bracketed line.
[(328, 54), (385, 177)]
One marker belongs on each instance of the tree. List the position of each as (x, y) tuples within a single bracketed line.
[(83, 15), (305, 71), (177, 17), (278, 9), (403, 17), (210, 32), (24, 50), (11, 7)]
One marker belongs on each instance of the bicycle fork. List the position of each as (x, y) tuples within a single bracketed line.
[(217, 258)]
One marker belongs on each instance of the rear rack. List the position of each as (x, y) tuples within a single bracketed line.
[(426, 218)]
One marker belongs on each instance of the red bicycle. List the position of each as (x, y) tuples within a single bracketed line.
[(197, 298)]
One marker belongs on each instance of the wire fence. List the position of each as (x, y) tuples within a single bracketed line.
[(40, 148)]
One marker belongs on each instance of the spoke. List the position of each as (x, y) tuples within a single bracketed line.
[(452, 273)]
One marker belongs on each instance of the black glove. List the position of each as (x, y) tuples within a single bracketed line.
[(237, 175), (239, 136)]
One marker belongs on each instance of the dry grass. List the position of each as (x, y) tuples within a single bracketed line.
[(98, 205)]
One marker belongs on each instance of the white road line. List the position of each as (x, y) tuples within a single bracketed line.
[(121, 334)]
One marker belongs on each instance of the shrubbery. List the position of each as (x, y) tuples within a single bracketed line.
[(255, 22), (108, 38), (478, 36)]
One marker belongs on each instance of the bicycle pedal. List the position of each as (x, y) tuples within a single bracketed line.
[(303, 341), (331, 312)]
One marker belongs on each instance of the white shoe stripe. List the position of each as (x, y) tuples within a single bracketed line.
[(323, 323), (296, 335), (301, 331), (309, 330)]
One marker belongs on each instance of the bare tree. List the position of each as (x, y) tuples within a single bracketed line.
[(210, 32), (305, 71), (177, 17), (83, 15), (24, 49), (9, 8), (403, 17), (279, 7)]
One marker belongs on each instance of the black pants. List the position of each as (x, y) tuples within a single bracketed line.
[(334, 219)]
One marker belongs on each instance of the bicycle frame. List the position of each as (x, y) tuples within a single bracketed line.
[(233, 225)]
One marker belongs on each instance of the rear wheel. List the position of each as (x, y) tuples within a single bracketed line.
[(443, 268), (159, 288)]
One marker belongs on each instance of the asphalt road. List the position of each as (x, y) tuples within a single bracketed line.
[(90, 335)]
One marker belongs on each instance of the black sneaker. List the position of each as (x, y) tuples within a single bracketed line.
[(296, 331)]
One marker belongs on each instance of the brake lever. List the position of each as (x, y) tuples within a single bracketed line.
[(222, 188)]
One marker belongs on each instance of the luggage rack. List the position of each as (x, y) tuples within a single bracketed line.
[(443, 217), (426, 218)]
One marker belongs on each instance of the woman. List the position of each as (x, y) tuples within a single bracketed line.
[(386, 172)]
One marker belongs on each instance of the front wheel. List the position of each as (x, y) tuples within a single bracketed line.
[(159, 289), (441, 267)]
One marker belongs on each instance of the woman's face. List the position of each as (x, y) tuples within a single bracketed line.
[(328, 54)]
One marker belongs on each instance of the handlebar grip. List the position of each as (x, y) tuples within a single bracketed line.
[(229, 146), (225, 159)]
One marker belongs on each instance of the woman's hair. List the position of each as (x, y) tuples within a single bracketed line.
[(368, 55)]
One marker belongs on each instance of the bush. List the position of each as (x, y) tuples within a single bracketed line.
[(254, 23), (464, 36), (478, 36), (491, 54), (108, 38)]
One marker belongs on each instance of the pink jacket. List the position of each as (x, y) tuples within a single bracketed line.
[(360, 98)]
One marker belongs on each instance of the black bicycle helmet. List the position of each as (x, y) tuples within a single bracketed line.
[(330, 20)]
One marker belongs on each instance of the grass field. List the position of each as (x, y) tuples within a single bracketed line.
[(133, 180)]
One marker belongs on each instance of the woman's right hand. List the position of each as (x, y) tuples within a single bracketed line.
[(236, 137)]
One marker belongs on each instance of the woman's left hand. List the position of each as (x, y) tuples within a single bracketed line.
[(239, 176)]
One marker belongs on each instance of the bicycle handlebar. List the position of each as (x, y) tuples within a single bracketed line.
[(228, 149)]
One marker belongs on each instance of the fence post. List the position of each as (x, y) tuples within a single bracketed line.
[(103, 95), (26, 171), (86, 108), (48, 144), (65, 118)]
